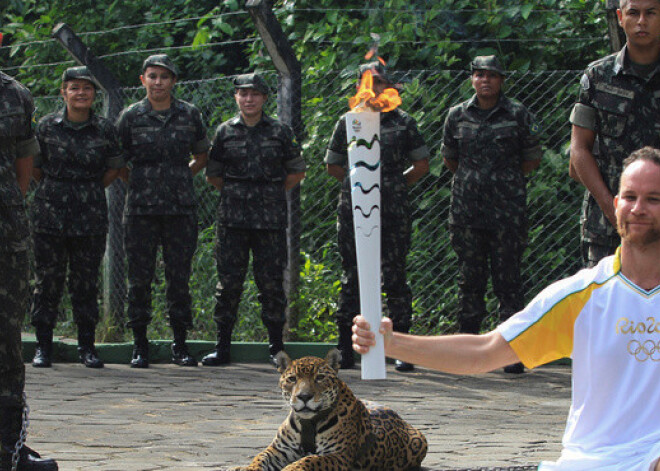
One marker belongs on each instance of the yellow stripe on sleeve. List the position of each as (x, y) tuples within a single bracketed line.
[(551, 337)]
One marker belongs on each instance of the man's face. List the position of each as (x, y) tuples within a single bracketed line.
[(159, 83), (486, 83), (638, 204), (640, 19), (250, 102), (78, 94)]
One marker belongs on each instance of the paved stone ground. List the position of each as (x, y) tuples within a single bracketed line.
[(172, 418)]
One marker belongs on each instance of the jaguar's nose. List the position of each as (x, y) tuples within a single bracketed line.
[(304, 397)]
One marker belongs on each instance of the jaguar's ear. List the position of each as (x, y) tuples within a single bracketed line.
[(334, 359), (282, 361)]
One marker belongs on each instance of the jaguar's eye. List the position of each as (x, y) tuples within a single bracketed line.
[(320, 378), (291, 379)]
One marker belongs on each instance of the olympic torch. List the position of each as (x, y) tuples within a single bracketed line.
[(363, 136)]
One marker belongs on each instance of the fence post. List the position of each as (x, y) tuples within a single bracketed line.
[(289, 111), (114, 279), (617, 36)]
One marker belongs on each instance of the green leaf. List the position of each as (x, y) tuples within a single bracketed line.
[(226, 28), (525, 10), (231, 4), (202, 37)]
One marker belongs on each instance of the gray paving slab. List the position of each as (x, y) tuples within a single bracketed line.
[(170, 418)]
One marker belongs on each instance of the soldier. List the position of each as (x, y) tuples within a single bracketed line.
[(18, 146), (159, 134), (80, 155), (618, 109), (404, 160), (254, 161), (489, 144)]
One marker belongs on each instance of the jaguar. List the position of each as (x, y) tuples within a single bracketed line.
[(330, 429)]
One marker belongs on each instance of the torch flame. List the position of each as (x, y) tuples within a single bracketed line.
[(366, 100)]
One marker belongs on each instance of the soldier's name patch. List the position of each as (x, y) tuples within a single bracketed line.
[(604, 87), (504, 124)]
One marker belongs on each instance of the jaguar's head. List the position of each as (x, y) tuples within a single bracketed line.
[(309, 385)]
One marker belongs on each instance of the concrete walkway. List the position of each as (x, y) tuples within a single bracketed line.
[(173, 418)]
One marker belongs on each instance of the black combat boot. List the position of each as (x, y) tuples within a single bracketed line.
[(180, 354), (140, 348), (275, 339), (44, 353), (88, 354), (222, 353), (345, 346), (11, 428)]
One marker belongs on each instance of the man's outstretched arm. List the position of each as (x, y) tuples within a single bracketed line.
[(456, 354)]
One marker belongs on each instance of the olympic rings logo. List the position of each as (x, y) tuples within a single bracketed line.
[(646, 350)]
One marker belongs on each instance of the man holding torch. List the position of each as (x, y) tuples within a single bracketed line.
[(404, 159), (602, 318)]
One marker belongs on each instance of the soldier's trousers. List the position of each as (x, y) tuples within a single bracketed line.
[(14, 292), (143, 235), (52, 255), (269, 256), (593, 251), (395, 243), (503, 247)]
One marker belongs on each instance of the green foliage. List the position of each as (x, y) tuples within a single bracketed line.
[(316, 303), (178, 27), (326, 34)]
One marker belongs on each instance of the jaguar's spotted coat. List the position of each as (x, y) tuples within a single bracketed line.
[(329, 429)]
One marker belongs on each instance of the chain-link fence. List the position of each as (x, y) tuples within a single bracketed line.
[(553, 200)]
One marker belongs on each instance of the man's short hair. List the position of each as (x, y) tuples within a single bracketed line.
[(623, 3), (648, 153)]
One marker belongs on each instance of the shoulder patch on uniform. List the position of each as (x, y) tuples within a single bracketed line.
[(584, 82), (534, 128)]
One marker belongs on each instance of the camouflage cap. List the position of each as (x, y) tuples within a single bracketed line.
[(487, 63), (253, 80), (160, 60), (81, 73), (377, 69)]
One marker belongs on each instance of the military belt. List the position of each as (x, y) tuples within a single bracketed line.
[(253, 181), (73, 179)]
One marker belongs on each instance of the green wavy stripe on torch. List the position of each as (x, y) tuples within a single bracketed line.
[(363, 142)]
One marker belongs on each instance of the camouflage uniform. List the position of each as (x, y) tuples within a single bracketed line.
[(16, 141), (488, 213), (622, 106), (70, 215), (252, 215), (160, 204), (400, 144)]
